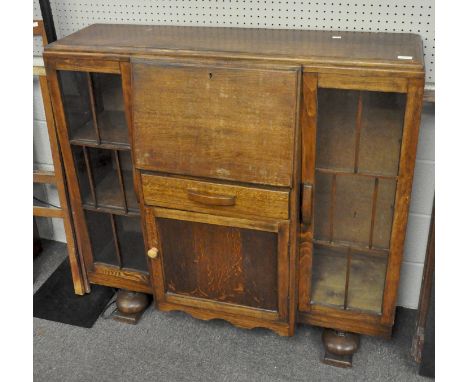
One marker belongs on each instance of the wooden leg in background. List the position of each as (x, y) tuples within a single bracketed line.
[(339, 347), (130, 306)]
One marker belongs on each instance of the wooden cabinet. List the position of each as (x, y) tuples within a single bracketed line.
[(269, 172)]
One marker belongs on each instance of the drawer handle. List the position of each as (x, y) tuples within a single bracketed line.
[(211, 199)]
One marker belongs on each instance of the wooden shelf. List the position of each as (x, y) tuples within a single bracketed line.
[(45, 177), (112, 129), (352, 246), (350, 173), (348, 279), (109, 196)]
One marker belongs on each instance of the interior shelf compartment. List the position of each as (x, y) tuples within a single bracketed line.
[(94, 109), (354, 209), (116, 240), (359, 131), (348, 279), (113, 131), (106, 180)]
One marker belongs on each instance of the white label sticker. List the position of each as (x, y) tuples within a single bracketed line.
[(35, 24), (405, 57), (337, 37)]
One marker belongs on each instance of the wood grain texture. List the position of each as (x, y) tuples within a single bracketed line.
[(171, 192), (355, 49), (234, 318), (80, 282), (308, 152), (239, 126), (225, 264), (84, 246), (403, 196), (85, 65), (381, 84), (220, 264), (119, 278)]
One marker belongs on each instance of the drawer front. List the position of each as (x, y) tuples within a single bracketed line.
[(232, 123), (219, 199)]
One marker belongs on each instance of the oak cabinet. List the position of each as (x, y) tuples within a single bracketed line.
[(265, 175)]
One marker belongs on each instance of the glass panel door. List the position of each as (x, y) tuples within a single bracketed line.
[(99, 142), (358, 147)]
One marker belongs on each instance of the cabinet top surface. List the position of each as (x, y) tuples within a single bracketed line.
[(398, 50)]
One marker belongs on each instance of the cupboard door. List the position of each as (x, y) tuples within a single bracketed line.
[(355, 170), (94, 138), (225, 266), (222, 122)]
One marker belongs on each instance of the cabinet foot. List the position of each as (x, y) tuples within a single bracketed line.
[(339, 347), (130, 306)]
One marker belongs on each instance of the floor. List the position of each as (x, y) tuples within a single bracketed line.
[(176, 347)]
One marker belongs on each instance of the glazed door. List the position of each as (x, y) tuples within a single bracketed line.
[(95, 141), (219, 267), (351, 171)]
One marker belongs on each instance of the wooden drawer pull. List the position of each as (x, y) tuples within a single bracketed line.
[(211, 199)]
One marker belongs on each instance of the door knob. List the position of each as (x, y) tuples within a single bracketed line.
[(153, 253)]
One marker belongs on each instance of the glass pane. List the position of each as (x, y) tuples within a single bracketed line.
[(336, 128), (322, 202), (221, 263), (82, 175), (353, 209), (366, 282), (382, 128), (77, 105), (127, 173), (106, 178), (132, 248), (329, 276), (102, 241), (385, 204), (85, 94), (110, 108)]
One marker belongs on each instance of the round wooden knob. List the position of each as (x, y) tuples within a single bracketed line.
[(153, 253)]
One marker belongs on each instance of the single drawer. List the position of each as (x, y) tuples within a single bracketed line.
[(221, 199), (220, 122)]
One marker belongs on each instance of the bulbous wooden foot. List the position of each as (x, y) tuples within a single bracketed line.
[(339, 347), (130, 306)]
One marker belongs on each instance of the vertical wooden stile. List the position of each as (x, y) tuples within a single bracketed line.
[(116, 240), (332, 206), (89, 172), (358, 133), (121, 182), (92, 103), (348, 268), (374, 210)]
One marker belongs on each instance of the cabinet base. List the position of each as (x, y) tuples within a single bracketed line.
[(339, 347), (130, 306)]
